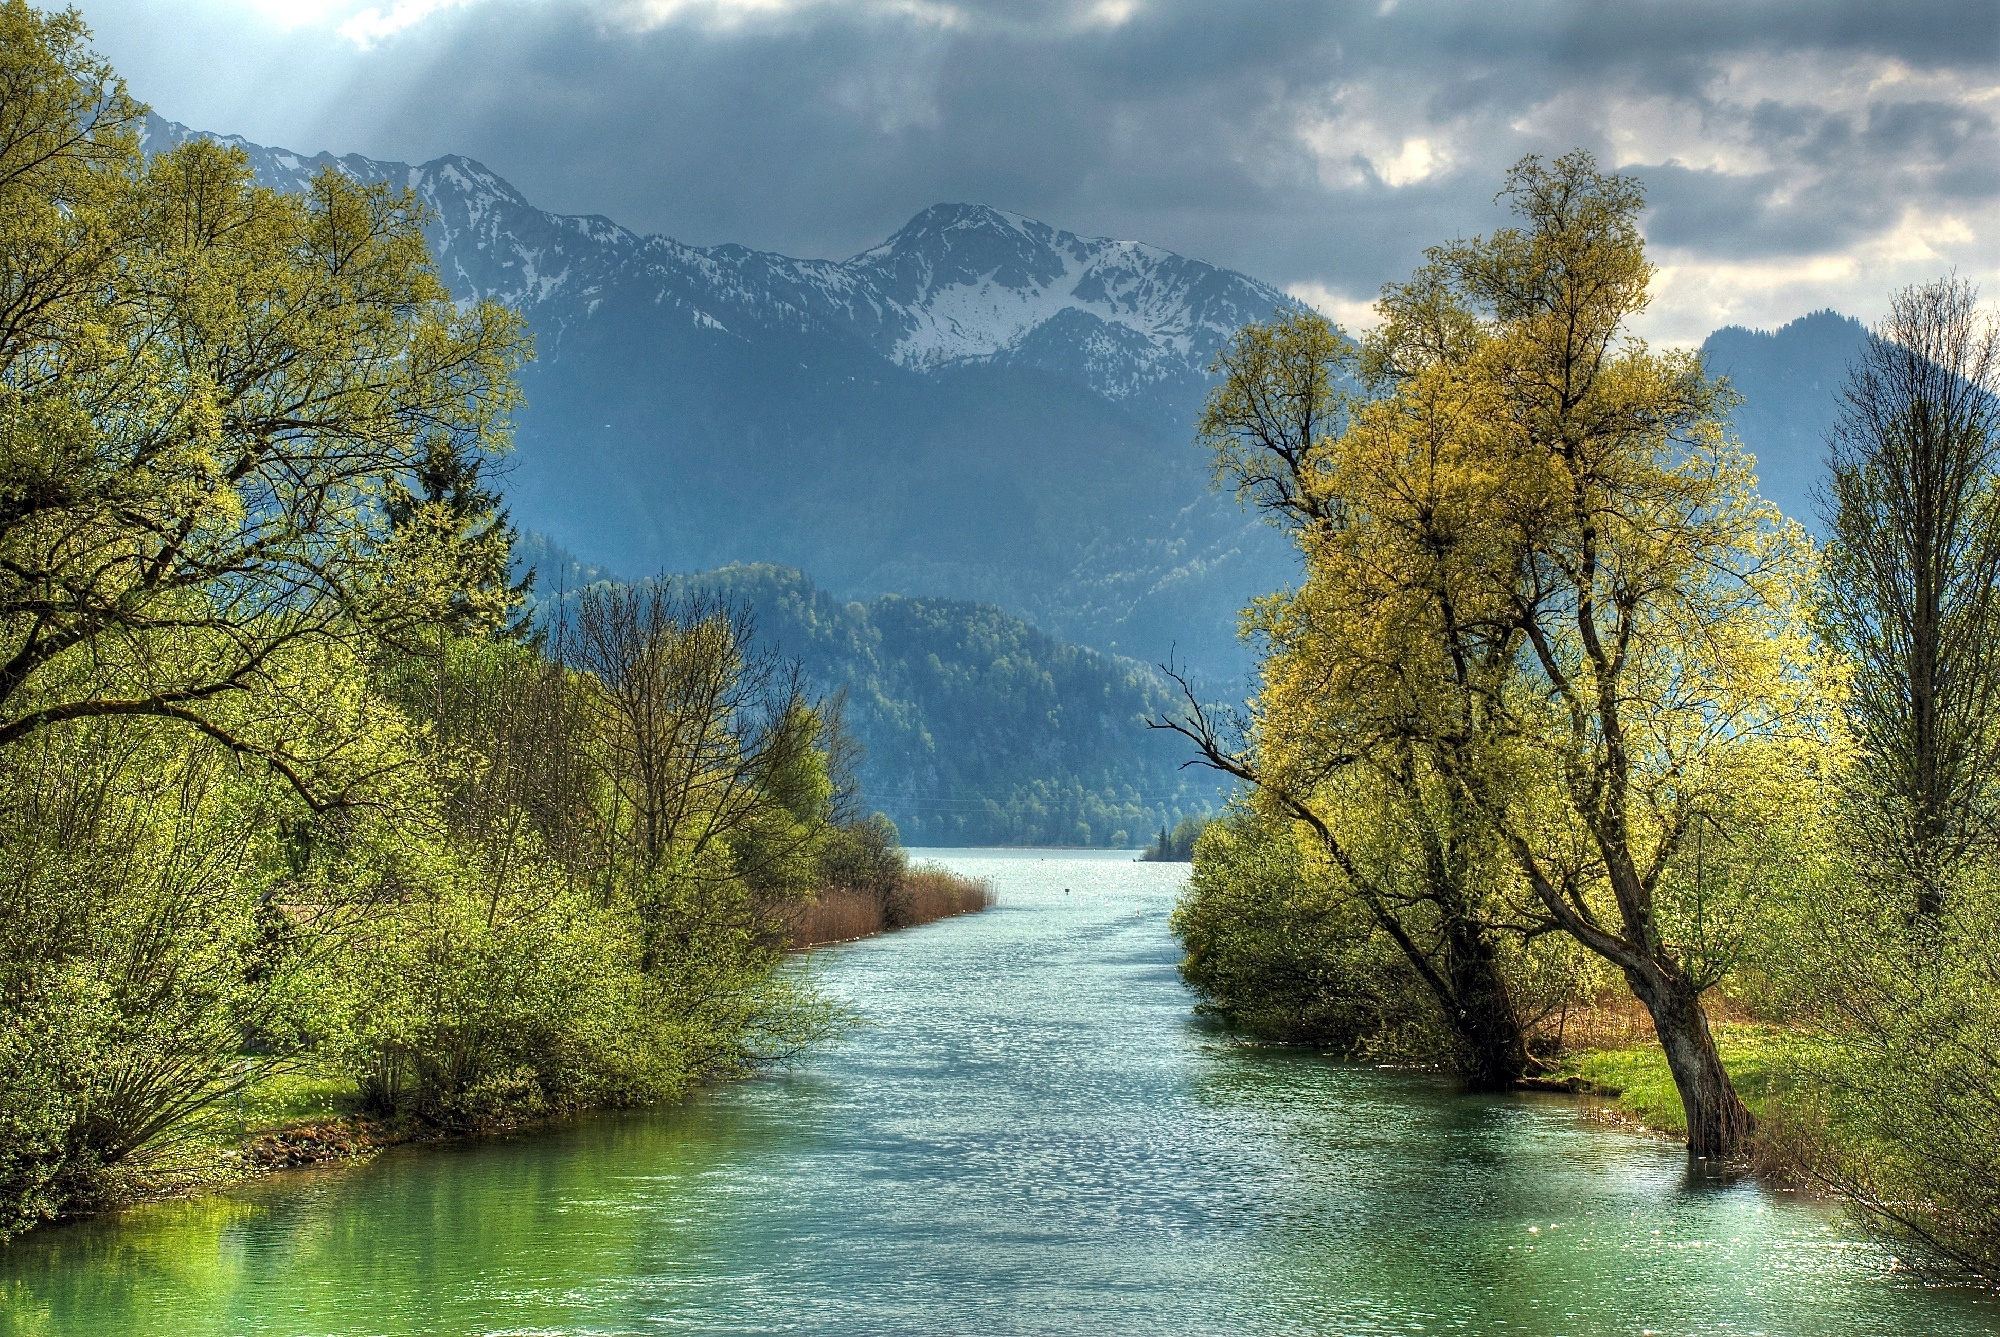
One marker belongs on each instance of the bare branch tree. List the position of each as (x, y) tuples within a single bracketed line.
[(703, 732), (1912, 579)]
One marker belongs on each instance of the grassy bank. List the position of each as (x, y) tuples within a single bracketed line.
[(1634, 1081), (304, 1117)]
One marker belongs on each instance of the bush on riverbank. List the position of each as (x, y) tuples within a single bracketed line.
[(1277, 945), (1276, 949), (1892, 1083)]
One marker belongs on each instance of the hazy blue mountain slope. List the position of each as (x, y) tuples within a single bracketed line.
[(1790, 381), (982, 407), (977, 727), (1002, 484)]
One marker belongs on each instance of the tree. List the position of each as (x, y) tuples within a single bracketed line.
[(1544, 610), (1911, 592), (207, 392), (450, 507), (1657, 666), (1269, 428), (711, 754)]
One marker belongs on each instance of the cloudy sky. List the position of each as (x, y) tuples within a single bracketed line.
[(1798, 155)]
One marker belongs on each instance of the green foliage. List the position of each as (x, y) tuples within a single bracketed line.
[(863, 856), (276, 789), (217, 389), (470, 998), (1893, 1090), (151, 946), (1276, 947), (54, 1033), (1176, 845)]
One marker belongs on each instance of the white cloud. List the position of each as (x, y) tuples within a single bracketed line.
[(1360, 138), (1355, 315), (374, 23)]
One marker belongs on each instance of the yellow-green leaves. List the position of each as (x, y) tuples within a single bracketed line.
[(208, 391), (1543, 610), (1283, 390)]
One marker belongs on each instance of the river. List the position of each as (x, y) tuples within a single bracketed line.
[(1031, 1134)]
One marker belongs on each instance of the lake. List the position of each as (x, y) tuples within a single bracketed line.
[(1031, 1133)]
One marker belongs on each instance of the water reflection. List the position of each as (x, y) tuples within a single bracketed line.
[(1032, 1137)]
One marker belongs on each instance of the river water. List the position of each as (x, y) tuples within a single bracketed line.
[(1030, 1135)]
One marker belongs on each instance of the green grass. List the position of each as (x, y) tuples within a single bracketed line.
[(277, 1101), (296, 1097), (1645, 1089)]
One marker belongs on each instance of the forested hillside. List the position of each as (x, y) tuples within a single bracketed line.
[(976, 727)]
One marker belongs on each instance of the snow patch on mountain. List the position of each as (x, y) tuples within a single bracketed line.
[(958, 284)]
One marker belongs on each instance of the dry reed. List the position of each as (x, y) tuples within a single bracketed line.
[(925, 893), (1616, 1020)]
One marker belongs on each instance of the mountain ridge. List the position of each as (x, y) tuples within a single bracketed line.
[(977, 728), (982, 406), (956, 283)]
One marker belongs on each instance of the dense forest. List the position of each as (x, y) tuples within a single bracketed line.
[(975, 727), (288, 779), (1563, 713)]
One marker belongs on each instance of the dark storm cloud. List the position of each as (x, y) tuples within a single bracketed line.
[(1278, 136)]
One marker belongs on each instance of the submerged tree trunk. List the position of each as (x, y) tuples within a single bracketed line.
[(1719, 1125)]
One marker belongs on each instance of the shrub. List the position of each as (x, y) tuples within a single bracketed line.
[(1894, 1099), (469, 1000), (150, 955), (1273, 948)]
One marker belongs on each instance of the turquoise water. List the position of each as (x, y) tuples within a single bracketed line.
[(1031, 1135)]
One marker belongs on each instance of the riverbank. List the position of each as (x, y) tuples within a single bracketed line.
[(1634, 1079), (1049, 1146), (1607, 1053), (304, 1118)]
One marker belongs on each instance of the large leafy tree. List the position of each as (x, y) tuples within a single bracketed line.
[(1338, 744), (1656, 663), (1544, 607), (209, 392)]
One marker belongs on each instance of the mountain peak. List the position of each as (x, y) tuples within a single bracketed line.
[(959, 282), (958, 244), (972, 282), (946, 218)]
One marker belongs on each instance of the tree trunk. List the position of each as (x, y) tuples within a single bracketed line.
[(1493, 1049), (1719, 1127)]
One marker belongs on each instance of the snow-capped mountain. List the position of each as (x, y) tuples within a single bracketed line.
[(983, 406), (958, 283)]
